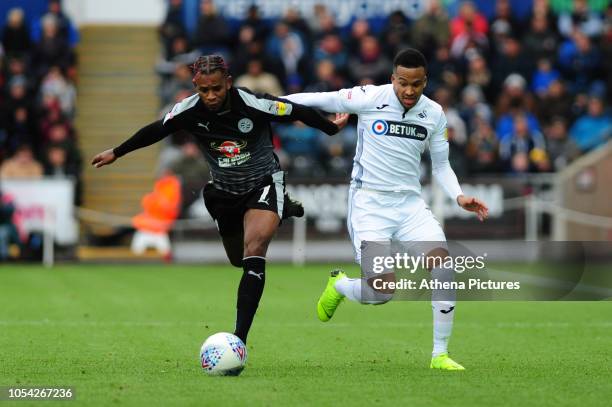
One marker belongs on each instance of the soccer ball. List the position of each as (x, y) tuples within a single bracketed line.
[(223, 354)]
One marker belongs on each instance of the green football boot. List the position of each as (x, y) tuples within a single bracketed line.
[(330, 298), (444, 362)]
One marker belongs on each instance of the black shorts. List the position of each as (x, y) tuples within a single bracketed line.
[(228, 209)]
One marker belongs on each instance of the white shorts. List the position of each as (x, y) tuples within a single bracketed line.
[(385, 216)]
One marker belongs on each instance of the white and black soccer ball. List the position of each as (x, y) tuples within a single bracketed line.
[(223, 354)]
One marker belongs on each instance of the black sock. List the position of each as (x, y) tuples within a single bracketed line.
[(249, 292)]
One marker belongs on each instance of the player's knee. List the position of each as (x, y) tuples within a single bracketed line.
[(256, 246)]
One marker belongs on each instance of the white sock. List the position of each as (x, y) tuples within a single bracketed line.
[(443, 307), (443, 315), (350, 288)]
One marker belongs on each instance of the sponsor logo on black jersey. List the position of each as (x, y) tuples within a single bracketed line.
[(399, 129), (228, 148)]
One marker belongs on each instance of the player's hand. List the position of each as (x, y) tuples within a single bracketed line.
[(341, 120), (471, 204), (104, 158)]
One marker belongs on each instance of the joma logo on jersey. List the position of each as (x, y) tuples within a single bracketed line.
[(399, 129)]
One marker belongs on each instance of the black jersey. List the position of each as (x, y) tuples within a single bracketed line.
[(237, 141)]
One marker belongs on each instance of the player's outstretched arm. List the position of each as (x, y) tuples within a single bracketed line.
[(350, 100), (471, 204), (144, 137), (308, 115)]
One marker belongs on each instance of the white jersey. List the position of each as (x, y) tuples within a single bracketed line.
[(390, 139)]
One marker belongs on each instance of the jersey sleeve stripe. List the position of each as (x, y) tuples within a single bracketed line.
[(182, 106), (269, 106)]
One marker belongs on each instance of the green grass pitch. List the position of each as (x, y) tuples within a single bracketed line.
[(130, 335)]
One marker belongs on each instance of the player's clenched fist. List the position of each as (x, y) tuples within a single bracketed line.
[(104, 158)]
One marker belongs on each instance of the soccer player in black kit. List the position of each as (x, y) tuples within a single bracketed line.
[(246, 196)]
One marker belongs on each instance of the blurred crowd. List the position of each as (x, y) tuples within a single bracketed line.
[(521, 95), (38, 96)]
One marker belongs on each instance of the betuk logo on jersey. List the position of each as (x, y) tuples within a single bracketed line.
[(399, 129), (229, 148)]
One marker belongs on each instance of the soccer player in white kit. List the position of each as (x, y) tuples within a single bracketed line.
[(396, 122)]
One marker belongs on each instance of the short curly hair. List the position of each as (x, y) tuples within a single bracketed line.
[(410, 58)]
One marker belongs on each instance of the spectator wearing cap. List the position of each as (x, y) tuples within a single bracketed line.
[(16, 35), (525, 149), (595, 127), (582, 19)]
